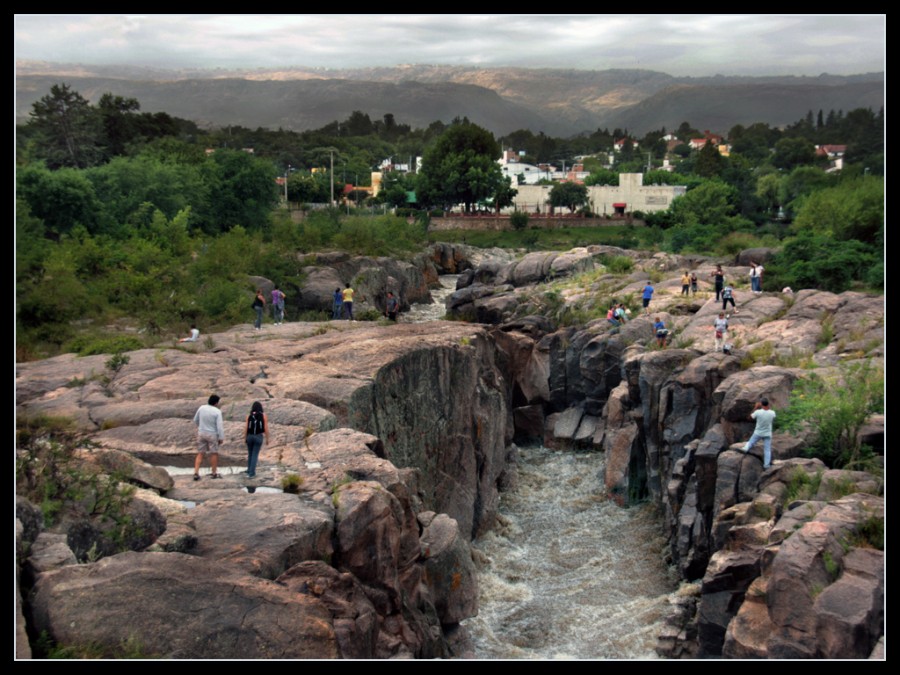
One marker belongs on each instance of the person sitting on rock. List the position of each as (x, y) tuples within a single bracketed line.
[(193, 337), (611, 317)]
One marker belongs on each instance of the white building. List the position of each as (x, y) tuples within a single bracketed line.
[(628, 196)]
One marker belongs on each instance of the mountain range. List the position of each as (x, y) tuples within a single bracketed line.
[(558, 102)]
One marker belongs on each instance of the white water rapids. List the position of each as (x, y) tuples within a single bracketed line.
[(420, 313), (566, 574), (570, 575)]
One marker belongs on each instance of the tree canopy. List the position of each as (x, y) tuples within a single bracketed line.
[(460, 168), (568, 195)]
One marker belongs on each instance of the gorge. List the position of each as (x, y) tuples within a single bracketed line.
[(405, 436)]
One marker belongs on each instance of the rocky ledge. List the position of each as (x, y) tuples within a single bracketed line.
[(398, 435)]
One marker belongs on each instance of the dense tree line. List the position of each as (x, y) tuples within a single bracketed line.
[(124, 213)]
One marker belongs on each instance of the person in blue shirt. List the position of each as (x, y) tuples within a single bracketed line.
[(662, 333), (647, 296)]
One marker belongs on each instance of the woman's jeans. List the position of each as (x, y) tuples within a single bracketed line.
[(254, 444)]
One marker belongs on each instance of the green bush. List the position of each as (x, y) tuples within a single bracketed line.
[(819, 261), (620, 264), (519, 220), (49, 474), (224, 301), (835, 409), (291, 483), (86, 345)]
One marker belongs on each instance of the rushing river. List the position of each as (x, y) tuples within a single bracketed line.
[(420, 313), (567, 574)]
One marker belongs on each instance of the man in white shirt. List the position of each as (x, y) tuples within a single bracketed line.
[(764, 417), (193, 337), (210, 434)]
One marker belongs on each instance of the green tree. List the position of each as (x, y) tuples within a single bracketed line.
[(792, 152), (768, 189), (62, 199), (569, 195), (242, 191), (66, 129), (504, 195), (118, 119), (800, 182), (711, 203), (602, 176), (461, 167), (126, 185), (853, 209), (709, 163), (395, 188), (309, 188)]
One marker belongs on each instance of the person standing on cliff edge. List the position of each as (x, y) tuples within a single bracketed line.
[(210, 435), (764, 417)]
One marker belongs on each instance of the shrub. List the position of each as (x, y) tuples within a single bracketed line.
[(519, 220), (291, 483), (802, 486), (836, 408), (49, 474), (370, 314), (620, 264), (85, 345)]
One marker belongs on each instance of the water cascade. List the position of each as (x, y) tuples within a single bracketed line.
[(567, 573)]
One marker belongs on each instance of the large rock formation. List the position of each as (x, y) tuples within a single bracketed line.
[(400, 436)]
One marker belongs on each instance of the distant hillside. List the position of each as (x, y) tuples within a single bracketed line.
[(298, 104), (718, 108), (556, 101)]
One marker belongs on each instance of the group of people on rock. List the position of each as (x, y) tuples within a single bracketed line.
[(341, 308), (342, 304), (617, 313)]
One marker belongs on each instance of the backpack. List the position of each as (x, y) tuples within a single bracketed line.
[(255, 423)]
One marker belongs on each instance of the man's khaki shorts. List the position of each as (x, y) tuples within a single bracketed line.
[(207, 444)]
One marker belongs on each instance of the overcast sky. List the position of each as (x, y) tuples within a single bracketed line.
[(678, 44)]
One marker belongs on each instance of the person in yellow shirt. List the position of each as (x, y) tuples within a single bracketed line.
[(347, 297), (686, 283)]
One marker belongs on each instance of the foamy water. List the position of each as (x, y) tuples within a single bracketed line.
[(419, 313), (570, 575)]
